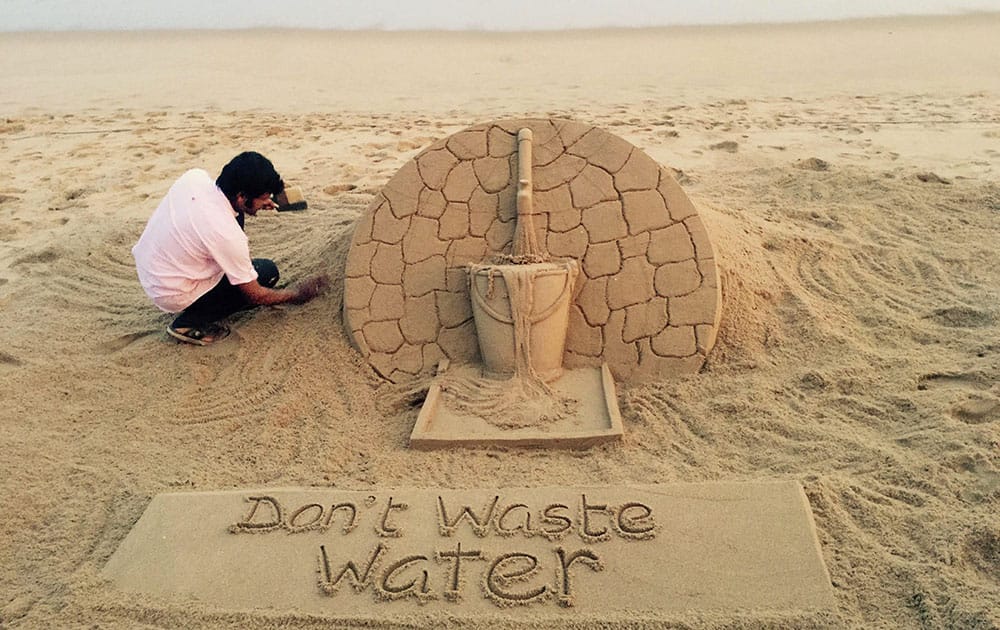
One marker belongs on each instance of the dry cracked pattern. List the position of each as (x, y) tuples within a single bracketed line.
[(647, 301)]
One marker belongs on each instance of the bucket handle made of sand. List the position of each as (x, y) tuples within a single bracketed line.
[(568, 277)]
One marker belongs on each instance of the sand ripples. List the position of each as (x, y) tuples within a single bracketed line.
[(857, 352)]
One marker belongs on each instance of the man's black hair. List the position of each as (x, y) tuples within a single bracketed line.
[(249, 173)]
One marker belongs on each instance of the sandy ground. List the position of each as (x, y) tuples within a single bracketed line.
[(848, 176)]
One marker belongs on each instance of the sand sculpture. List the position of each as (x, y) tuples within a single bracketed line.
[(521, 325), (522, 247), (418, 272)]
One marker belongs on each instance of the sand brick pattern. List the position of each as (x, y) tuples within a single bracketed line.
[(647, 299)]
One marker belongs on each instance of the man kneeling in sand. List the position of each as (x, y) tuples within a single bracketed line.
[(194, 259)]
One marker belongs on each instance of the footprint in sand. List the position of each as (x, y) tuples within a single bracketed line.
[(339, 188), (968, 380), (932, 178), (46, 255), (982, 547), (813, 164), (961, 317), (728, 146), (977, 409)]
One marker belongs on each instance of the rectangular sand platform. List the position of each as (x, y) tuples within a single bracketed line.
[(595, 421), (566, 553)]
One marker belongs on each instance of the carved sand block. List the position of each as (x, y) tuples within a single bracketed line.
[(484, 232), (634, 555)]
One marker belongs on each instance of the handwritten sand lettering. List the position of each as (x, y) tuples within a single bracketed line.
[(383, 528), (503, 575), (249, 522), (587, 557), (479, 524), (389, 589), (638, 527), (595, 522), (513, 578), (317, 515), (267, 514), (586, 532), (360, 581), (454, 590)]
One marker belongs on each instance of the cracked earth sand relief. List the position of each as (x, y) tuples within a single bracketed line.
[(523, 266)]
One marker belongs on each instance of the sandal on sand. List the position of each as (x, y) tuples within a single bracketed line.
[(202, 336)]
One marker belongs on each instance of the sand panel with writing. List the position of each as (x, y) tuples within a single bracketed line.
[(554, 552)]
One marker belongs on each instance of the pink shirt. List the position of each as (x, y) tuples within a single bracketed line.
[(190, 242)]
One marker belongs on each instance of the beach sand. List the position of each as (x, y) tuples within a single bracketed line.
[(847, 173)]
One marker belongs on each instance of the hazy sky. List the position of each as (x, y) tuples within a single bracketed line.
[(447, 14)]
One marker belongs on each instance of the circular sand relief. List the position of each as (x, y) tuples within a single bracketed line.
[(647, 300)]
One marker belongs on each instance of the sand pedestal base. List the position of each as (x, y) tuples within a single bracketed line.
[(595, 420)]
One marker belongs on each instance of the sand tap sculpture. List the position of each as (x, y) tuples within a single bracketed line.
[(521, 326), (523, 267)]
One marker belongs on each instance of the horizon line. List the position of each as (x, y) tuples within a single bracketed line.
[(376, 28)]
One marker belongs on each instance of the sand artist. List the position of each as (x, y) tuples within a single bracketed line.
[(193, 258)]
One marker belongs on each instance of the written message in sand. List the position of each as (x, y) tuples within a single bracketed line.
[(659, 548), (515, 576)]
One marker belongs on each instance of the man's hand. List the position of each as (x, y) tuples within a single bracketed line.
[(263, 296), (308, 289)]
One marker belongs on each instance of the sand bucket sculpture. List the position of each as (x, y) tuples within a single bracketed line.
[(521, 303)]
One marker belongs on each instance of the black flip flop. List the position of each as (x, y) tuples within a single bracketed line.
[(199, 336)]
